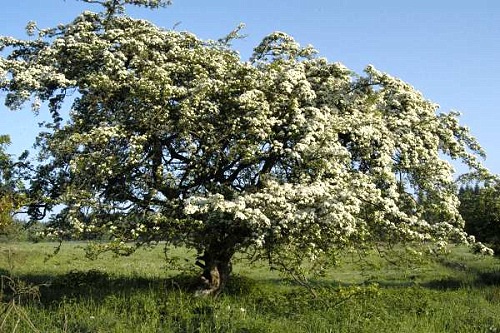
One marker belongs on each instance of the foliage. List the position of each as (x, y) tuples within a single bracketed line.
[(7, 186), (288, 156), (18, 230), (13, 231), (12, 195), (480, 208)]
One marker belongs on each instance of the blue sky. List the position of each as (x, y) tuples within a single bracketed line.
[(449, 50)]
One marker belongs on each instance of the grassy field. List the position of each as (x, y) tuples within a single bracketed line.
[(459, 292)]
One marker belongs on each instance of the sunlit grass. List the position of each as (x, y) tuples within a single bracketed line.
[(141, 293)]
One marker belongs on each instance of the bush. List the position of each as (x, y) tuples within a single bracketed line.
[(18, 230)]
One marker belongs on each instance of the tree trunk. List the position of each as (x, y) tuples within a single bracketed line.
[(216, 271)]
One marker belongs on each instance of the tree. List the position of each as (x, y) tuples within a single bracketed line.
[(287, 156), (5, 201), (9, 196), (480, 208), (12, 191)]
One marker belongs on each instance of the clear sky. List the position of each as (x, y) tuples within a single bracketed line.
[(447, 49)]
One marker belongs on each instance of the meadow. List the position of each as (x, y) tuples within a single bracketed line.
[(41, 292)]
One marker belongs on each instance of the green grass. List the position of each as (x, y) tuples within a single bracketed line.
[(140, 293)]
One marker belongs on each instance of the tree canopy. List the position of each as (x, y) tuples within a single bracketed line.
[(286, 155)]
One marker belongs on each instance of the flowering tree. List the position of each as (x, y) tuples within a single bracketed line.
[(286, 156)]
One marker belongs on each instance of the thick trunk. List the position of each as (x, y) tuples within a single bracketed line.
[(216, 272)]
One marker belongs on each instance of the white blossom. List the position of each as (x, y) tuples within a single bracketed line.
[(288, 153)]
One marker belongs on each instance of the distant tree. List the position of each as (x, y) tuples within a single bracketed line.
[(480, 208), (6, 202), (287, 156), (9, 196)]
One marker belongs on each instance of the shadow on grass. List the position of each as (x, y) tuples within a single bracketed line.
[(448, 283), (97, 285), (466, 276), (489, 278)]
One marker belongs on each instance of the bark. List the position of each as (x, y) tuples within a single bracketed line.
[(216, 271)]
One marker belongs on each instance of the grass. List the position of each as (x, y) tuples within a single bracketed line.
[(140, 293)]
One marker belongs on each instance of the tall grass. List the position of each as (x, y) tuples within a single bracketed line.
[(140, 293)]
